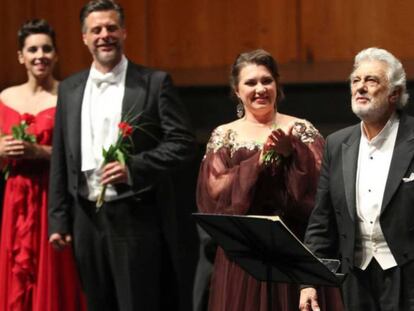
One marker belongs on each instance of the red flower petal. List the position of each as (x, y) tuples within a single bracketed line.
[(28, 118)]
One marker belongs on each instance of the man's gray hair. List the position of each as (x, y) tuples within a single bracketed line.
[(395, 73)]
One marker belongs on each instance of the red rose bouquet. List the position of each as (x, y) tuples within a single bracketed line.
[(120, 151), (19, 132), (270, 156), (117, 152)]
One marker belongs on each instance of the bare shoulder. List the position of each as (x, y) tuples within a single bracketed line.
[(225, 129), (230, 126), (12, 94), (286, 120), (222, 136)]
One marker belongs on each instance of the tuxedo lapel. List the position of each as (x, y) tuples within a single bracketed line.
[(74, 116), (133, 101), (350, 150), (132, 105), (401, 159)]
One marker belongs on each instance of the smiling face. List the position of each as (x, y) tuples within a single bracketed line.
[(104, 37), (371, 96), (257, 89), (38, 55)]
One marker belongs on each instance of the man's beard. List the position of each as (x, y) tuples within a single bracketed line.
[(374, 110)]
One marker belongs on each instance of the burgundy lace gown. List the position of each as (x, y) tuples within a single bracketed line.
[(231, 181), (33, 276)]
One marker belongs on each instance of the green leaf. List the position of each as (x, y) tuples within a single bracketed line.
[(120, 157), (111, 151), (6, 171), (31, 138), (17, 132)]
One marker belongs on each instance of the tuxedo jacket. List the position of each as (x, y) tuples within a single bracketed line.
[(164, 144), (333, 224)]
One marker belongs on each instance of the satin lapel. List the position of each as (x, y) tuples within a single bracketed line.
[(133, 101), (350, 150), (401, 159), (73, 117)]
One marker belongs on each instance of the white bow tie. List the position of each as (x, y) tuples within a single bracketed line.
[(101, 79)]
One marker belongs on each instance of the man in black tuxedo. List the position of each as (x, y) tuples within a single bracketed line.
[(364, 212), (127, 251)]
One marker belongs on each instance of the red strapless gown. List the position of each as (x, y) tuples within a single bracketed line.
[(33, 276)]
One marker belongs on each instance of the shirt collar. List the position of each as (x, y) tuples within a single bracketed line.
[(384, 133), (114, 76)]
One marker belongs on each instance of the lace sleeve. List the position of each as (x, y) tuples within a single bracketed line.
[(302, 170), (226, 181)]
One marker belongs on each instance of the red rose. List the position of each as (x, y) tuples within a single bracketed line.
[(28, 118), (125, 128)]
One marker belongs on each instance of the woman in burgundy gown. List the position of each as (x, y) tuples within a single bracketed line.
[(33, 276), (235, 179)]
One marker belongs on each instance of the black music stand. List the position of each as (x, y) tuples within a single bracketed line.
[(266, 249)]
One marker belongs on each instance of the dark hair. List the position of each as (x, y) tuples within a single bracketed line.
[(101, 5), (258, 57), (35, 26)]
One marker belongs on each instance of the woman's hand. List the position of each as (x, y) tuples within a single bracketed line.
[(280, 142), (4, 141), (11, 148)]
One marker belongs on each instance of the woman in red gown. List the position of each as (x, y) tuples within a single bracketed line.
[(33, 276), (235, 179)]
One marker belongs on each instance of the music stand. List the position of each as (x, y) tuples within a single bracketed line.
[(266, 249)]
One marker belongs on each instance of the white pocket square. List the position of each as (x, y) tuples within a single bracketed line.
[(408, 179)]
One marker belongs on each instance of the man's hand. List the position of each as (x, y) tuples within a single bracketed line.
[(60, 241), (114, 173), (308, 300)]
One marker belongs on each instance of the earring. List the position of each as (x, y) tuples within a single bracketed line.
[(240, 110)]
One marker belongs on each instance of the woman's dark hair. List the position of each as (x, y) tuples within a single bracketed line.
[(101, 5), (35, 26), (257, 57)]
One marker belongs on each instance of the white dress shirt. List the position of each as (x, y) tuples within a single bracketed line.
[(101, 114), (373, 165)]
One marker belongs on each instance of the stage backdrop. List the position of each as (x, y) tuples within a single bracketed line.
[(197, 40)]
